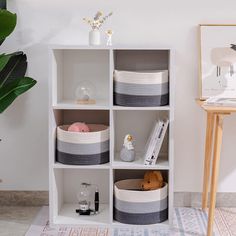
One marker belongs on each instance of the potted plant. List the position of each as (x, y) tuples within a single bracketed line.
[(13, 66), (96, 23)]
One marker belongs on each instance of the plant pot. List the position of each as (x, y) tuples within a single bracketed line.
[(94, 37)]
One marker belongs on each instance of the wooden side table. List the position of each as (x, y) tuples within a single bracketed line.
[(214, 132)]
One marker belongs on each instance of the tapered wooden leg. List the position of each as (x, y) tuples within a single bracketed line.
[(215, 171), (208, 155)]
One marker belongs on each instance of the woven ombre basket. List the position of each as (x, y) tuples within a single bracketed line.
[(133, 206), (83, 148), (141, 89)]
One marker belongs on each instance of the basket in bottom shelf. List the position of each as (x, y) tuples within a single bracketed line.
[(133, 206)]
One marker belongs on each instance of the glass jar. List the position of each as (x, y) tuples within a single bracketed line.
[(84, 199)]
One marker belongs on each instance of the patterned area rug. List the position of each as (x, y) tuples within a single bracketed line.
[(187, 221), (225, 221)]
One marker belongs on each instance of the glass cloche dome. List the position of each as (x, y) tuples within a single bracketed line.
[(85, 93)]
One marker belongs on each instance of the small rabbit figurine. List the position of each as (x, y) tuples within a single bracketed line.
[(127, 152)]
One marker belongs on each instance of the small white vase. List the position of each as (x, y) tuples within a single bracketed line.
[(94, 37)]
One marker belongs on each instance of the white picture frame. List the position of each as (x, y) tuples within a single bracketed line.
[(217, 72)]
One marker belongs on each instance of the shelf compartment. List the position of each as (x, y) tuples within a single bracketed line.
[(139, 124), (147, 88), (67, 183), (70, 67), (162, 163), (66, 117)]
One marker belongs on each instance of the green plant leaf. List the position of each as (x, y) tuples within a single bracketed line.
[(14, 68), (7, 23), (13, 89), (4, 60)]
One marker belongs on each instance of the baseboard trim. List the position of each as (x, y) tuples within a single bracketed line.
[(24, 198), (188, 199), (41, 198)]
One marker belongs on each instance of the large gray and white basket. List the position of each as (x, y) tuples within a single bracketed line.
[(133, 206), (141, 89), (78, 148)]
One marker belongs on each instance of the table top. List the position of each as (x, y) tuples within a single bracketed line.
[(216, 109)]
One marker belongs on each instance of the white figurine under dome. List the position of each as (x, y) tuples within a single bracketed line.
[(85, 92), (127, 152)]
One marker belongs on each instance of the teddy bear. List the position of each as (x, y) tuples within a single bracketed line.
[(152, 180), (78, 127)]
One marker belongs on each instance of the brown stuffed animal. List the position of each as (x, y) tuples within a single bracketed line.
[(152, 180)]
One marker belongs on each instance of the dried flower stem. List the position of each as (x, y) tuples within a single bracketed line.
[(97, 22)]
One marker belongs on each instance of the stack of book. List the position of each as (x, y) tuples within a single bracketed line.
[(155, 141), (220, 101)]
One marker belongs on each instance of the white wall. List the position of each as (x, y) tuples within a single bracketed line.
[(23, 126)]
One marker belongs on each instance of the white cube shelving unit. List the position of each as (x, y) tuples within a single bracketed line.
[(71, 64)]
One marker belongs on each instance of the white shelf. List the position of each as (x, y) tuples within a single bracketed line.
[(78, 47), (68, 216), (58, 165), (113, 47), (70, 104), (160, 108), (71, 64), (162, 163)]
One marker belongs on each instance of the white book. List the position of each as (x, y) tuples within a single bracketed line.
[(151, 143), (155, 138), (159, 142)]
